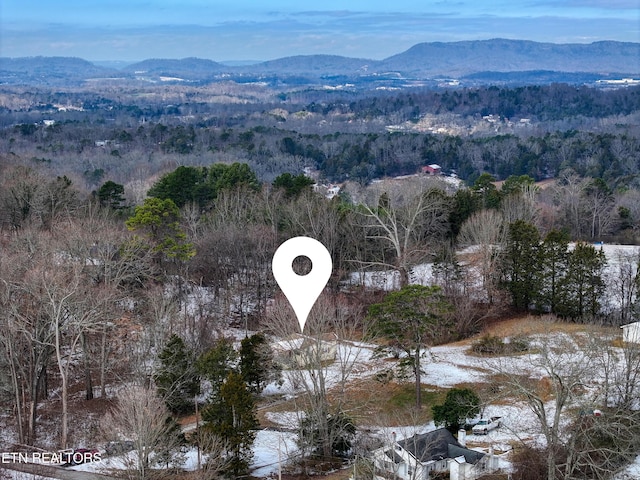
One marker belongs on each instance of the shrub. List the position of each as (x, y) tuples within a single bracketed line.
[(529, 464), (493, 345), (519, 344), (384, 376), (489, 345)]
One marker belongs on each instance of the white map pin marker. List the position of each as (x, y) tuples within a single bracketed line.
[(302, 291)]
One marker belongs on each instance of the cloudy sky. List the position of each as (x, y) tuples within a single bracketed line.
[(133, 30)]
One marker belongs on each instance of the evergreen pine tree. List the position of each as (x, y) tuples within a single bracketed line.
[(292, 185), (256, 362), (111, 195), (555, 258), (160, 221), (177, 379), (522, 269), (184, 185), (231, 416), (413, 318), (216, 364), (460, 404), (582, 287)]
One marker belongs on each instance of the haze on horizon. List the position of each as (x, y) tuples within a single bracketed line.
[(131, 30)]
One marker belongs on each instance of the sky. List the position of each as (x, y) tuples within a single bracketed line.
[(246, 30)]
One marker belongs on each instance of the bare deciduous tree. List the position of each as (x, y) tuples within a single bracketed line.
[(569, 197), (486, 233), (521, 205), (559, 368), (214, 462), (142, 417), (619, 366), (317, 362), (312, 215), (113, 267), (408, 221), (70, 308), (624, 281), (28, 333)]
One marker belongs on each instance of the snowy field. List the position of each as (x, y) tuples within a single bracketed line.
[(448, 366), (423, 274), (445, 366)]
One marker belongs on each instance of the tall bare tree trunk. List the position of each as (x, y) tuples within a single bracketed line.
[(16, 391), (88, 381), (418, 378), (65, 386), (103, 362)]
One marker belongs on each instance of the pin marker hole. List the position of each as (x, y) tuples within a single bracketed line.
[(301, 265)]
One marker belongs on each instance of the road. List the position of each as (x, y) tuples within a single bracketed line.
[(49, 471)]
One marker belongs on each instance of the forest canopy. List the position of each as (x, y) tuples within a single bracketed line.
[(139, 227)]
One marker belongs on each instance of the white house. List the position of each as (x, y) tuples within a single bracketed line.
[(631, 332), (301, 350), (416, 457)]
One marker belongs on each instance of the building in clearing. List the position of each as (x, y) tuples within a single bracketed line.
[(420, 456), (433, 169), (631, 332), (300, 351)]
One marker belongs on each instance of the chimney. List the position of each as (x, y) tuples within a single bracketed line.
[(462, 437)]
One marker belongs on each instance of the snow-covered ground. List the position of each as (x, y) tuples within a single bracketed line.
[(632, 472), (423, 274), (271, 448), (353, 360), (445, 367)]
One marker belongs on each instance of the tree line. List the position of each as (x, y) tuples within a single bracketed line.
[(90, 280), (588, 130), (72, 149)]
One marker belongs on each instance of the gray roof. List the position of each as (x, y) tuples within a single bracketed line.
[(393, 455), (437, 445), (470, 456)]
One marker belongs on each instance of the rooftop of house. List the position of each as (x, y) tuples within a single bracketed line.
[(437, 445)]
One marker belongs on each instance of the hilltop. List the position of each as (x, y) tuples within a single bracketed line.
[(422, 62)]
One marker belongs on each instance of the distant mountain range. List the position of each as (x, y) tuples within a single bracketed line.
[(481, 59), (464, 58)]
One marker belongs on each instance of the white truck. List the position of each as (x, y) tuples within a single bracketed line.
[(485, 425)]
